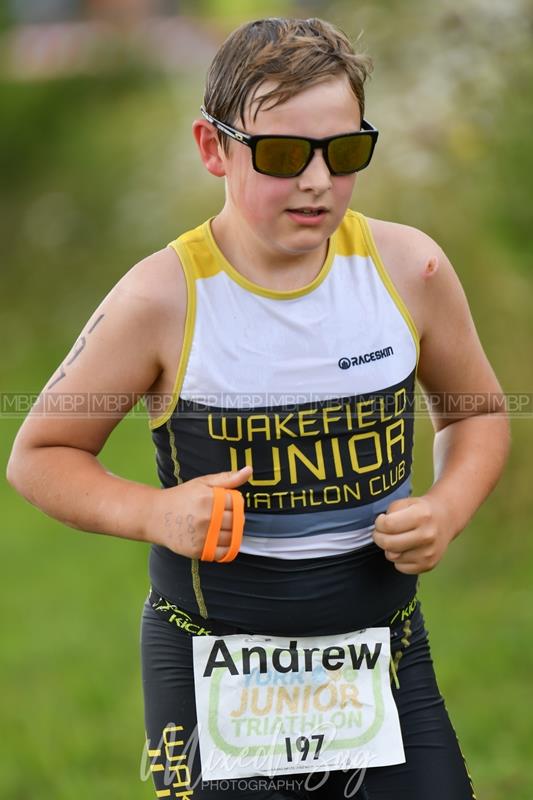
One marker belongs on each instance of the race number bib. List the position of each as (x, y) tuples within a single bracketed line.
[(269, 705)]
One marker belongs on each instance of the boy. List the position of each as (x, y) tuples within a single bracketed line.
[(277, 346)]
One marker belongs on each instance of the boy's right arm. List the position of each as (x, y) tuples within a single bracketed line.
[(120, 353)]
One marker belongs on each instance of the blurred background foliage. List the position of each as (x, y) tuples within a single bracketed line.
[(98, 170)]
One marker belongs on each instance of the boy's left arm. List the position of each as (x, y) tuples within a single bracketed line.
[(470, 446)]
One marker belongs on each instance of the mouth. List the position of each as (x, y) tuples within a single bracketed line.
[(308, 211)]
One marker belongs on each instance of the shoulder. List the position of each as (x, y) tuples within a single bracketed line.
[(410, 245), (154, 283), (142, 312), (452, 359), (418, 267)]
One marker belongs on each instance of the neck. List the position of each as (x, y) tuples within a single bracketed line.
[(277, 270)]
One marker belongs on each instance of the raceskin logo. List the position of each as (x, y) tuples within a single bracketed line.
[(272, 705), (366, 358)]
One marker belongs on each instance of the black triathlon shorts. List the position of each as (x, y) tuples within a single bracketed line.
[(434, 768)]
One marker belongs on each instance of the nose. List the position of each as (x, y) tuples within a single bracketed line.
[(316, 177)]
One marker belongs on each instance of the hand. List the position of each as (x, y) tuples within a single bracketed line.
[(413, 533), (181, 514)]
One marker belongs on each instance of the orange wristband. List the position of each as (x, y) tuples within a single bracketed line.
[(211, 540), (219, 501), (237, 527)]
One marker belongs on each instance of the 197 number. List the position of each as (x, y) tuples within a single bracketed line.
[(303, 746)]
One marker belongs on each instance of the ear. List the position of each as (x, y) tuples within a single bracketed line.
[(209, 146)]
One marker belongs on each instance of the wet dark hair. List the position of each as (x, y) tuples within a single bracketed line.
[(292, 53)]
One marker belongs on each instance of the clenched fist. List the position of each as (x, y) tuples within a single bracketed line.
[(413, 533)]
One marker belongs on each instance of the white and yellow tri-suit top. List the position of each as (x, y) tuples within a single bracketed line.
[(312, 387)]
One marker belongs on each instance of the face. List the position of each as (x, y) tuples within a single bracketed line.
[(291, 216)]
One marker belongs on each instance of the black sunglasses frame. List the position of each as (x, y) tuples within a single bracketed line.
[(367, 130)]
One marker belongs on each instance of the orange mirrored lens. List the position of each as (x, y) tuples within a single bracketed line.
[(349, 153), (281, 156)]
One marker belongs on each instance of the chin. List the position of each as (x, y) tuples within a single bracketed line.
[(305, 240), (302, 248)]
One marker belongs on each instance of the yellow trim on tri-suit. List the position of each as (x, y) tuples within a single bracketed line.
[(190, 317), (387, 281)]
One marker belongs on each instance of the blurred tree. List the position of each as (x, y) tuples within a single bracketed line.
[(30, 11), (232, 14)]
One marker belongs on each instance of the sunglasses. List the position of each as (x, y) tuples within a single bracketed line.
[(288, 156)]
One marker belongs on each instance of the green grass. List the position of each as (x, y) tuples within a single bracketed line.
[(72, 715)]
